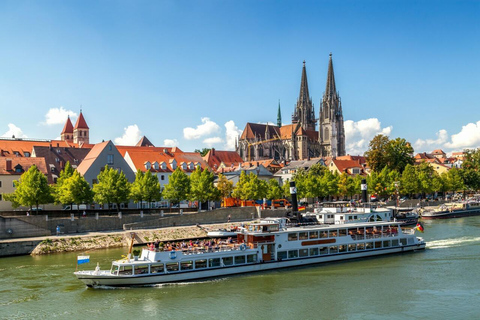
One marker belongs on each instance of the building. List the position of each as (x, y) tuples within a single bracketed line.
[(299, 140), (221, 161)]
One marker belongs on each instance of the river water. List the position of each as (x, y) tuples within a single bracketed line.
[(442, 282)]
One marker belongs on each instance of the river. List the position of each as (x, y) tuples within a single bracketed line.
[(442, 282)]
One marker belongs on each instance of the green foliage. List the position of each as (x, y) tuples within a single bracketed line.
[(395, 154), (249, 187), (32, 189), (112, 187), (224, 186), (454, 180), (202, 187), (377, 152), (203, 152), (178, 187), (409, 182), (73, 189), (425, 175), (145, 187), (274, 190), (239, 190)]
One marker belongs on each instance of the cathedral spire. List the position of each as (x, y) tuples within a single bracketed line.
[(330, 88), (279, 116), (304, 96), (303, 113)]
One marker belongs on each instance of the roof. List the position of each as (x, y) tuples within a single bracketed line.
[(144, 142), (91, 157), (215, 158), (257, 131), (18, 147), (68, 128), (81, 123), (438, 151), (344, 165), (124, 149), (360, 159), (26, 163)]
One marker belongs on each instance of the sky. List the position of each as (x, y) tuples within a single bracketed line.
[(191, 74)]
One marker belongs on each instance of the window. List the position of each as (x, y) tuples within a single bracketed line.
[(141, 269), (303, 235), (352, 247), (251, 258), (368, 245), (342, 248), (239, 259), (227, 261), (126, 270), (155, 165), (314, 251), (292, 254), (186, 265), (323, 250), (94, 181), (0, 197), (378, 244), (282, 255), (361, 246), (156, 268), (292, 236), (395, 243), (303, 252), (110, 147), (27, 154), (201, 264), (0, 184), (386, 244), (109, 158), (314, 235), (342, 232), (147, 165), (333, 249), (403, 241), (171, 267), (162, 177), (214, 262), (324, 234)]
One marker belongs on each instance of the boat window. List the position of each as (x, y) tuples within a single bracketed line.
[(403, 241), (360, 246), (324, 234), (141, 269), (314, 251), (114, 270), (215, 262), (303, 252), (200, 264), (333, 249), (292, 236), (227, 261), (395, 243), (172, 266), (323, 250), (126, 270), (352, 247), (251, 258), (239, 259), (378, 244), (314, 235), (282, 255), (352, 231), (186, 265), (410, 240), (156, 268), (320, 216), (386, 244), (303, 235), (293, 254), (332, 233), (342, 232), (342, 248), (369, 245)]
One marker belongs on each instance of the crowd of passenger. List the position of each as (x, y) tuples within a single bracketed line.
[(191, 245)]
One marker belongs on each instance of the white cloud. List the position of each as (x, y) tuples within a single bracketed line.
[(58, 116), (207, 127), (468, 137), (130, 137), (211, 141), (231, 133), (358, 134), (13, 130), (442, 137), (170, 143)]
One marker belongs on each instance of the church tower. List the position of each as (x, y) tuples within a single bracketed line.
[(331, 128), (279, 116), (81, 131), (304, 112), (67, 132)]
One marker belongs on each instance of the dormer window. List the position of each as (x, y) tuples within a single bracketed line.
[(191, 166), (26, 154), (59, 151), (155, 165), (148, 165), (163, 165), (173, 164), (18, 168), (184, 166)]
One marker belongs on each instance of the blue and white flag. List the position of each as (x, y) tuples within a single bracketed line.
[(83, 259)]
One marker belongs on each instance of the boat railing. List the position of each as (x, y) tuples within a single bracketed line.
[(205, 249)]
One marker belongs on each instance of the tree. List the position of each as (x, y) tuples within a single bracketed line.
[(202, 187), (65, 174), (255, 188), (203, 152), (471, 169), (224, 186), (409, 181), (178, 187), (399, 154), (425, 175), (112, 187), (239, 190), (145, 187), (31, 189), (274, 190), (376, 153), (454, 180), (74, 189)]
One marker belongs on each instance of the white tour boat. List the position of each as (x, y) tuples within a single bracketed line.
[(265, 245)]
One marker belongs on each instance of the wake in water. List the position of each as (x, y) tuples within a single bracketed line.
[(449, 243)]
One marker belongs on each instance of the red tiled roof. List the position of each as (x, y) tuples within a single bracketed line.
[(344, 165), (124, 149), (26, 163), (68, 128), (215, 158), (10, 147), (91, 157), (81, 123)]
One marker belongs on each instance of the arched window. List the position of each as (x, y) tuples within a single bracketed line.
[(326, 135)]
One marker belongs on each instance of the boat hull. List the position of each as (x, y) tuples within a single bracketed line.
[(451, 214), (92, 280)]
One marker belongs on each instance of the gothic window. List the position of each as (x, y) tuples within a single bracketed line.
[(326, 135)]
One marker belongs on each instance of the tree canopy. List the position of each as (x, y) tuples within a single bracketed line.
[(32, 189), (178, 187), (112, 187), (145, 187)]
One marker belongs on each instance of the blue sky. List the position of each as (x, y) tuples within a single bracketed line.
[(193, 73)]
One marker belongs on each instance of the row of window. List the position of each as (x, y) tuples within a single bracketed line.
[(318, 251), (333, 233), (163, 165), (185, 265)]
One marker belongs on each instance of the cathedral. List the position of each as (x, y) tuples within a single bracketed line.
[(299, 140)]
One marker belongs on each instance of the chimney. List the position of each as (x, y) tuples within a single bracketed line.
[(213, 151), (62, 165), (58, 144), (9, 164)]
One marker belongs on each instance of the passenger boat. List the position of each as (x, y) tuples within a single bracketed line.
[(265, 245), (407, 216), (453, 210)]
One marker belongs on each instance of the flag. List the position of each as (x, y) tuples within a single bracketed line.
[(301, 208), (419, 227), (83, 259)]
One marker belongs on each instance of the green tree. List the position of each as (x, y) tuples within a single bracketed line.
[(74, 189), (377, 152), (31, 189), (112, 187), (274, 190), (178, 187), (239, 190), (224, 186), (145, 187), (255, 188), (425, 174), (409, 181), (399, 154), (203, 152), (202, 187), (65, 174), (454, 180)]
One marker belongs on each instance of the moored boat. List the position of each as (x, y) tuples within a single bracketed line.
[(453, 210), (265, 245)]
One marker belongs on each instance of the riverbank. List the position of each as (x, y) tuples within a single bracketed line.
[(103, 240)]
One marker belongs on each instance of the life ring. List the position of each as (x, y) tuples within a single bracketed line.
[(173, 254), (243, 247)]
